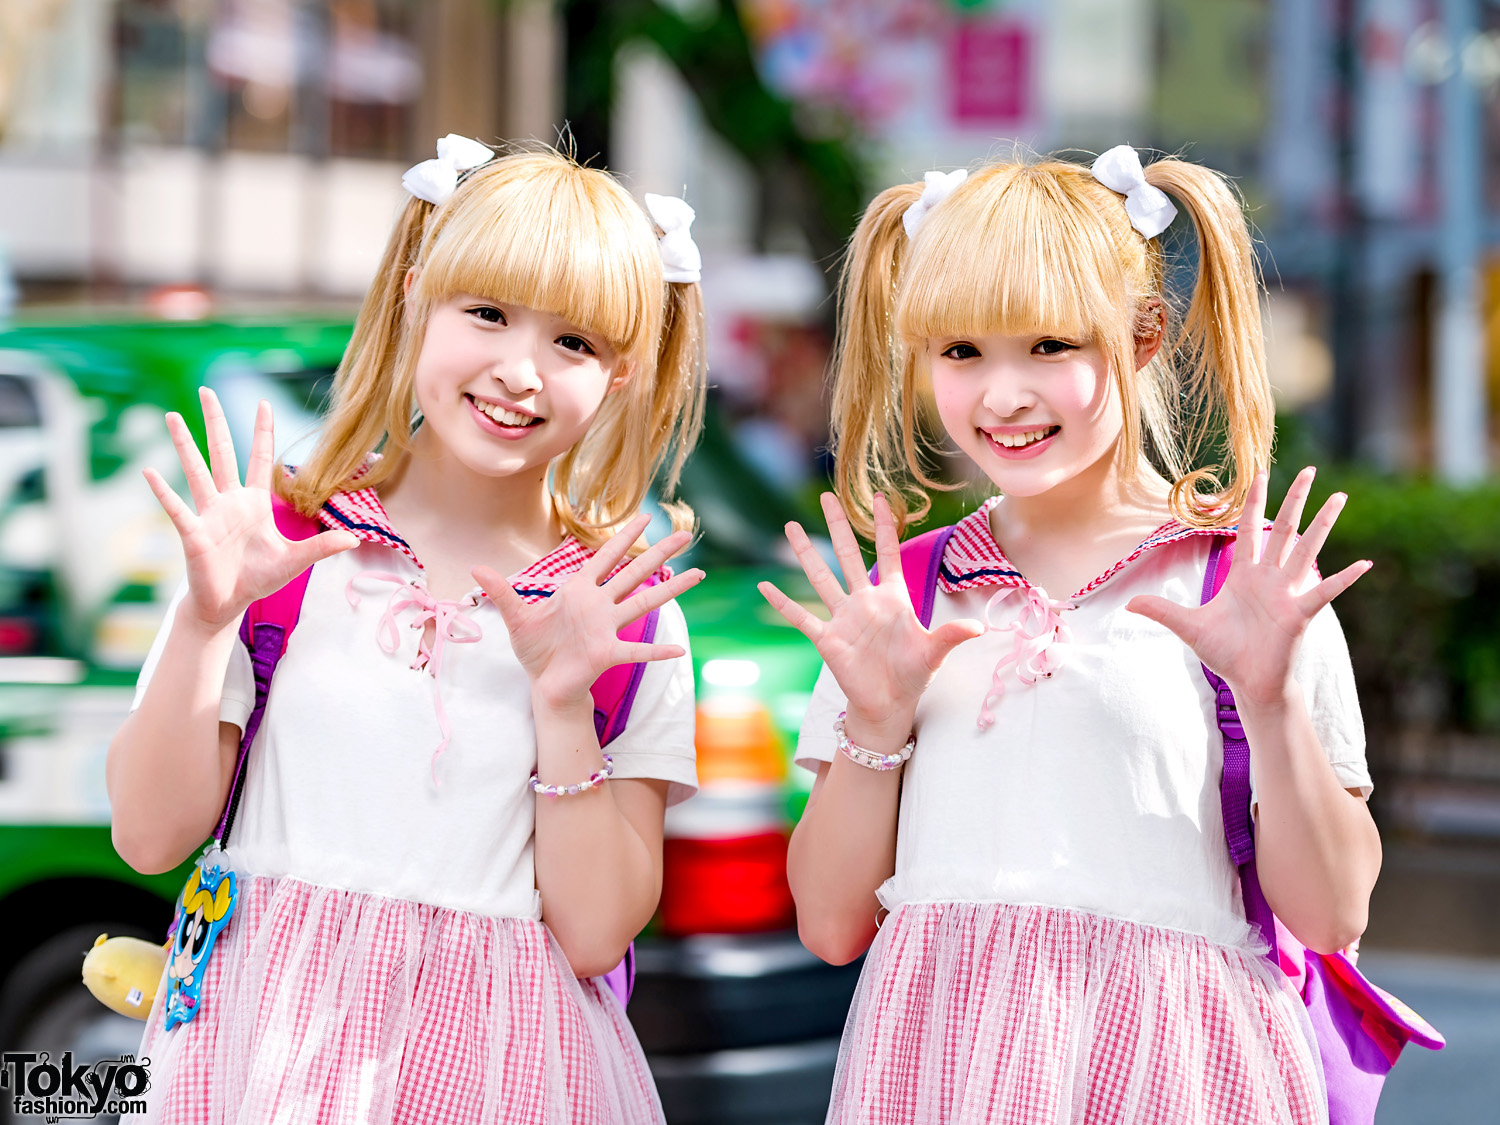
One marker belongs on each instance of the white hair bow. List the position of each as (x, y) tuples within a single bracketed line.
[(436, 180), (680, 260), (1150, 211), (940, 185)]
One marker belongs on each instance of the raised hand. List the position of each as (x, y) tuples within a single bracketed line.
[(569, 640), (235, 555), (1249, 633), (877, 650)]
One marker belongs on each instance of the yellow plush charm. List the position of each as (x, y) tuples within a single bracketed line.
[(125, 974)]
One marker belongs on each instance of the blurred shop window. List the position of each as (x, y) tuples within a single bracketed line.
[(151, 92), (260, 51), (374, 77)]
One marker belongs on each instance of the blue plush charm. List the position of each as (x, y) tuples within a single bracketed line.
[(207, 902)]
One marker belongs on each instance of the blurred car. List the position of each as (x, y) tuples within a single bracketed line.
[(740, 1023)]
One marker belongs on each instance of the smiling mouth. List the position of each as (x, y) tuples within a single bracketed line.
[(1021, 441), (501, 416)]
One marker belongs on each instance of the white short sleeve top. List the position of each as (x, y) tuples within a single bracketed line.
[(340, 790), (1096, 788)]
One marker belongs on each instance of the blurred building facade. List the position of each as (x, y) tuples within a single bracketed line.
[(252, 146), (255, 147)]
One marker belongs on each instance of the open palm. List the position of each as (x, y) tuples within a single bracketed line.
[(880, 654), (234, 552), (1250, 632), (569, 640)]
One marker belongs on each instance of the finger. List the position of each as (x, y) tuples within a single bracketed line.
[(647, 563), (178, 512), (1305, 555), (1289, 518), (1247, 540), (639, 652), (221, 459), (305, 552), (845, 544), (887, 545), (1332, 586), (1178, 618), (949, 636), (796, 615), (653, 597), (824, 582), (200, 481), (262, 449), (615, 548), (498, 589)]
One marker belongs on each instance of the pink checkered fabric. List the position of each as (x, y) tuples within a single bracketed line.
[(1014, 1015), (973, 558), (328, 1007), (360, 511)]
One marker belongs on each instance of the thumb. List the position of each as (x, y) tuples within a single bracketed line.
[(305, 552), (947, 637), (1178, 618), (498, 589)]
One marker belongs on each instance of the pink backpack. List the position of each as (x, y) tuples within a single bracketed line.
[(1360, 1028), (268, 625)]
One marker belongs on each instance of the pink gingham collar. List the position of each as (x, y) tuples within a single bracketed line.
[(973, 558), (360, 511)]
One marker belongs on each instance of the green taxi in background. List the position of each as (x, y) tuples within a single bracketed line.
[(740, 1023)]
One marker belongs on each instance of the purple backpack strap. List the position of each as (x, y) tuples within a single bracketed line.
[(1234, 789), (921, 563), (614, 695), (1360, 1029), (265, 630)]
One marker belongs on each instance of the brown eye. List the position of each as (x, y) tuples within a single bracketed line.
[(962, 351), (488, 313), (575, 344), (1053, 347)]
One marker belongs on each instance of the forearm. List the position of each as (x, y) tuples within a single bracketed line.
[(1317, 850), (599, 874), (844, 848), (164, 771)]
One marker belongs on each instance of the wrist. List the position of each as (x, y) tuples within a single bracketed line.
[(548, 701), (189, 621), (882, 734)]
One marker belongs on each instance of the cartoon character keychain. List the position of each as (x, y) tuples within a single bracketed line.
[(208, 900)]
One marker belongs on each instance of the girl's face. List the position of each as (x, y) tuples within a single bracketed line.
[(505, 388), (1031, 411)]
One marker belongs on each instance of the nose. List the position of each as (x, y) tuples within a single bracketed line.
[(1007, 391), (518, 374)]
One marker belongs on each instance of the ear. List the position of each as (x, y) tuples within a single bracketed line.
[(408, 281), (1151, 331), (624, 372)]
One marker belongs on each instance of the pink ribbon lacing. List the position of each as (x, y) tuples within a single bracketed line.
[(450, 624), (1038, 629)]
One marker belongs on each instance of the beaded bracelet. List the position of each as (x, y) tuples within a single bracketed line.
[(598, 777), (868, 758)]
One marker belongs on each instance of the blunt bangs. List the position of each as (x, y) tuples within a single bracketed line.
[(1029, 255), (534, 229)]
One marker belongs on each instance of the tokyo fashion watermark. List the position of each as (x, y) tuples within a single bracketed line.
[(61, 1091)]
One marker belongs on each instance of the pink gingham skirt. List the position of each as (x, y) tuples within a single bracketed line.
[(987, 1012), (325, 1007)]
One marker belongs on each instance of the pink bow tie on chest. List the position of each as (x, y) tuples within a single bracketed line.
[(1034, 654), (450, 625)]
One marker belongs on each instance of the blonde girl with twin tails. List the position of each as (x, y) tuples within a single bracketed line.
[(1017, 808), (435, 858)]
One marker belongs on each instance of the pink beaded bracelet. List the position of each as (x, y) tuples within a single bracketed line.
[(868, 758), (598, 777)]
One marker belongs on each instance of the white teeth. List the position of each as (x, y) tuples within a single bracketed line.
[(504, 417), (1015, 441)]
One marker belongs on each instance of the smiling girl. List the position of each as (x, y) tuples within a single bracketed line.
[(416, 931), (1017, 806)]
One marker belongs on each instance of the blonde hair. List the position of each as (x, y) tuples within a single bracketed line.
[(1023, 247), (532, 228)]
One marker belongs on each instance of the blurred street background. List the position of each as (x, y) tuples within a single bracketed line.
[(194, 161)]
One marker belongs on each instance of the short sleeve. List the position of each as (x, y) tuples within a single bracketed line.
[(238, 699), (816, 742), (657, 741), (1326, 678)]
